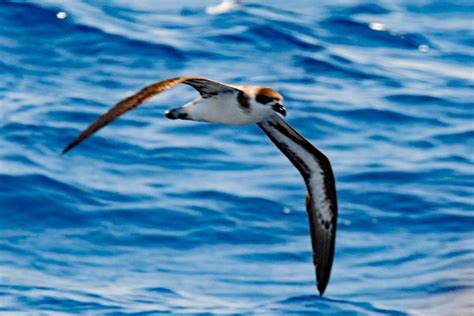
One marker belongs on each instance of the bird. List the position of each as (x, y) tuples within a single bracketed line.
[(243, 105)]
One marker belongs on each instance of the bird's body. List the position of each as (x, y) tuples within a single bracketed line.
[(242, 105), (226, 109), (217, 109), (234, 106)]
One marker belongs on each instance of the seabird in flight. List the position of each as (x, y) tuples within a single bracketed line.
[(242, 105)]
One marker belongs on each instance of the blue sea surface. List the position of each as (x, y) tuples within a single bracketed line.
[(153, 216)]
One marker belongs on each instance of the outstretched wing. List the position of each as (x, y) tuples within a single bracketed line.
[(204, 86), (321, 202)]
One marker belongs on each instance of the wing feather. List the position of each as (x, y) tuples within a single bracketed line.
[(202, 85), (208, 87), (321, 202)]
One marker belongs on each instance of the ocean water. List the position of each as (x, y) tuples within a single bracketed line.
[(151, 216)]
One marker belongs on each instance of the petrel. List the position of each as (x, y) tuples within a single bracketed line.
[(243, 105)]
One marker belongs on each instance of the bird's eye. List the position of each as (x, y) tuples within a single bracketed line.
[(264, 99)]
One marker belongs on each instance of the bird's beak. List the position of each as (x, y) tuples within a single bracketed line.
[(280, 108)]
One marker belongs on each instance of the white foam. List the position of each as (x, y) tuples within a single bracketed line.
[(223, 7)]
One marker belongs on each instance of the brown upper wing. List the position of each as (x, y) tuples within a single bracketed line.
[(321, 202), (203, 85)]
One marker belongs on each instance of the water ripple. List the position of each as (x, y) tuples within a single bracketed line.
[(155, 216)]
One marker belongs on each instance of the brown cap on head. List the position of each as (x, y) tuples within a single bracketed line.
[(269, 93)]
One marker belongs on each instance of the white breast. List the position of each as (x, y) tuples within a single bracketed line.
[(225, 109)]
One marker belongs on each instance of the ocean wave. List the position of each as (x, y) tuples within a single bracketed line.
[(156, 216), (353, 32)]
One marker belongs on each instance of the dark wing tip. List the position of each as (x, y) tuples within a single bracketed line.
[(69, 147), (65, 150), (324, 256), (323, 235), (98, 124), (321, 288), (322, 280)]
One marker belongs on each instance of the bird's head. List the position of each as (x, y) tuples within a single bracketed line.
[(270, 98)]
